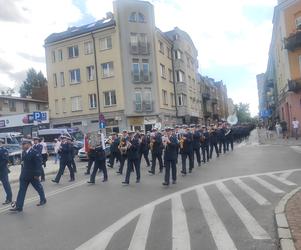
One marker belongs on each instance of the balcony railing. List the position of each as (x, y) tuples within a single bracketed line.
[(140, 48), (293, 41), (206, 96), (141, 77), (143, 107), (294, 85)]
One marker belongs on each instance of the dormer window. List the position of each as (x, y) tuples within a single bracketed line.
[(141, 18), (133, 17)]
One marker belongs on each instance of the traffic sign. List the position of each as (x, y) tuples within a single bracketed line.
[(39, 116), (102, 125)]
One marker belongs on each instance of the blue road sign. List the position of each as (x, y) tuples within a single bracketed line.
[(102, 125), (37, 116)]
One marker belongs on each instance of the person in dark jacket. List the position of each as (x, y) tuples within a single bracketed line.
[(170, 156), (205, 144), (132, 157), (221, 138), (186, 150), (156, 146), (229, 138), (144, 148), (91, 156), (39, 148), (4, 173), (213, 141), (72, 154), (196, 142), (65, 152), (30, 174), (114, 151)]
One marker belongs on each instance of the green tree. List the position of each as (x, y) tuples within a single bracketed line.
[(243, 112), (33, 79)]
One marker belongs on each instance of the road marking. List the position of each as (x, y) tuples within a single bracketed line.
[(285, 175), (252, 193), (102, 239), (180, 231), (267, 185), (282, 180), (218, 231), (247, 219), (142, 228)]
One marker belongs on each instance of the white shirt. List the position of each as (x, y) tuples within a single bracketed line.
[(57, 146), (295, 124), (44, 150)]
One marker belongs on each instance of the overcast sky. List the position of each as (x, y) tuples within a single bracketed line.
[(232, 36)]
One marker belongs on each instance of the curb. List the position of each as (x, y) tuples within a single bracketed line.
[(286, 241)]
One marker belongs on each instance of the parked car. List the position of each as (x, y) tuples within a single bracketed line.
[(83, 156), (15, 152), (10, 138)]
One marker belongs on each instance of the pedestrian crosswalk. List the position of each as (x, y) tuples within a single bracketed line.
[(246, 197)]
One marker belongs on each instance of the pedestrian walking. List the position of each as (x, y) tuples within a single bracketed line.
[(156, 146), (4, 171), (284, 129), (39, 148), (295, 125), (186, 150), (196, 141), (57, 144), (278, 129)]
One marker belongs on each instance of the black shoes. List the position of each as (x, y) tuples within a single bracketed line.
[(125, 183), (42, 203), (91, 182), (190, 170), (199, 164), (183, 172), (151, 172), (137, 181), (118, 172), (174, 182), (87, 173), (104, 180), (55, 181), (6, 202), (16, 209), (71, 180), (165, 184)]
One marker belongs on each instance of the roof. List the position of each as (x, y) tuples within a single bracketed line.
[(21, 98), (76, 31)]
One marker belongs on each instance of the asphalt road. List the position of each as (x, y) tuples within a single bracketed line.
[(209, 209)]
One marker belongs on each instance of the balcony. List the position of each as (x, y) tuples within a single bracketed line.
[(142, 78), (294, 85), (144, 107), (206, 96), (293, 41), (140, 48)]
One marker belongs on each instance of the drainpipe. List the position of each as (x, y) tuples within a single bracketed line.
[(174, 78)]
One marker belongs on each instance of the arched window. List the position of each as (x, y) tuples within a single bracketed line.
[(133, 17), (141, 18)]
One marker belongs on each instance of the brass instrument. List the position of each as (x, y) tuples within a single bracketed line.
[(123, 146), (181, 141), (151, 144)]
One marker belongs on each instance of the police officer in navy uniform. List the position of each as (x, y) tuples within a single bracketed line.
[(144, 148), (170, 156), (100, 164), (4, 173), (65, 152), (114, 151), (39, 147), (221, 138), (91, 156), (73, 153), (213, 141), (132, 157), (197, 142), (187, 150), (30, 174), (157, 151), (205, 144)]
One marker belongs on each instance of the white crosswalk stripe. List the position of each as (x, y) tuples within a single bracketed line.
[(252, 193), (282, 180), (267, 185), (285, 175), (220, 234), (247, 219)]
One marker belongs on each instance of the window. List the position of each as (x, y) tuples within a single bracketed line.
[(90, 73), (64, 105), (110, 98), (178, 54), (170, 74), (148, 100), (60, 55), (172, 99), (54, 80), (161, 49), (162, 71), (136, 70), (76, 103), (164, 97), (133, 17), (138, 101), (74, 76), (53, 56), (145, 70), (26, 107), (73, 51), (298, 23), (141, 18), (92, 101), (56, 106), (169, 53), (88, 48), (62, 79), (106, 43), (143, 38), (12, 105), (107, 69), (182, 100), (180, 76), (134, 39)]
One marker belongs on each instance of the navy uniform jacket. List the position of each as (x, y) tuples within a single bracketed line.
[(114, 146), (196, 140), (31, 164), (206, 141), (221, 134), (188, 144), (158, 144), (171, 149), (100, 154), (65, 152), (3, 161), (38, 147), (213, 137), (144, 145), (133, 151)]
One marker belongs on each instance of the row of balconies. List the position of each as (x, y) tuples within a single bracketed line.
[(141, 77), (143, 107), (140, 48)]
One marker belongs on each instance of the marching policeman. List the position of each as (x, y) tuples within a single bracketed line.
[(144, 148), (221, 138), (91, 156), (213, 141), (73, 153), (39, 148), (170, 156), (186, 150), (4, 173), (132, 157), (114, 151), (30, 174), (100, 164), (65, 152), (157, 150), (205, 144), (196, 143)]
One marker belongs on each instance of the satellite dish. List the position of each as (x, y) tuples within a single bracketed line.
[(232, 119)]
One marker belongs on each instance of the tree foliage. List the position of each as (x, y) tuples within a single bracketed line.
[(33, 79), (243, 113)]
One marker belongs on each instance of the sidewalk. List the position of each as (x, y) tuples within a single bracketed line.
[(275, 140)]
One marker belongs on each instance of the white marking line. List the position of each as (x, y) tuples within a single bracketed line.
[(102, 239), (282, 180), (267, 185), (141, 232), (252, 193), (219, 233), (180, 231), (285, 175), (256, 231)]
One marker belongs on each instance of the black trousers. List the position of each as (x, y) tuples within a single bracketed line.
[(63, 164), (222, 143), (90, 163), (145, 155), (205, 152), (122, 161), (73, 165), (170, 165), (191, 161), (156, 156), (214, 145), (113, 156), (101, 166), (6, 186), (131, 164), (231, 143), (197, 152)]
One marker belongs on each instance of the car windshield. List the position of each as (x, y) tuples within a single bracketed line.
[(51, 137), (78, 135)]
